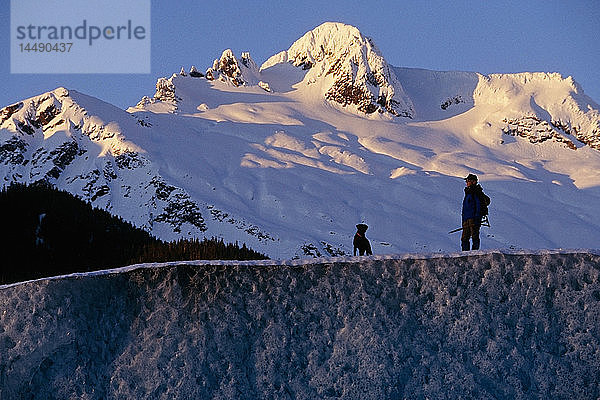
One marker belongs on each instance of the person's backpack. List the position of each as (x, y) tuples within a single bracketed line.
[(485, 201)]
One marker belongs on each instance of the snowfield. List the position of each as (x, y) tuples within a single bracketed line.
[(485, 325)]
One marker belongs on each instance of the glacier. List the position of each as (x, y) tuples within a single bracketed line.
[(485, 325)]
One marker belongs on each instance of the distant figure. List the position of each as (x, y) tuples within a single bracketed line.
[(473, 209), (361, 242)]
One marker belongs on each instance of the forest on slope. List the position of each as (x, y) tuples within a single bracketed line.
[(47, 232)]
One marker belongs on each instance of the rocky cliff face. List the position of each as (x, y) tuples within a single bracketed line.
[(238, 72)]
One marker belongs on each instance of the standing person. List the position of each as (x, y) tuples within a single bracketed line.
[(361, 242), (472, 212)]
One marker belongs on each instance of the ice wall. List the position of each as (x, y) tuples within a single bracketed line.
[(488, 326)]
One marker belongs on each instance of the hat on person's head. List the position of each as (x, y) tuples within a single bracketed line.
[(471, 177)]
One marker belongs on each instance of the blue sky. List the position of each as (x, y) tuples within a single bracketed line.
[(483, 36)]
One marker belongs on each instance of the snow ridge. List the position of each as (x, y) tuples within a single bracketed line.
[(549, 97), (494, 325)]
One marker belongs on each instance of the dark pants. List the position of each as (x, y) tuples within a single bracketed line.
[(470, 231)]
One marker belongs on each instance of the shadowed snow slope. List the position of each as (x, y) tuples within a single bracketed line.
[(486, 326)]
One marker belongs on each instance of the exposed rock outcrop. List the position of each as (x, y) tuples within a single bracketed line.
[(351, 68)]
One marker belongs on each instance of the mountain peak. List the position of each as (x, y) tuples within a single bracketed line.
[(354, 71), (34, 113), (239, 72)]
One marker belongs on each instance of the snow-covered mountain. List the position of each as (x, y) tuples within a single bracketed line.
[(289, 156), (347, 68)]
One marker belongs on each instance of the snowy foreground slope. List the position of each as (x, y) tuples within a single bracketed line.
[(486, 326), (288, 157)]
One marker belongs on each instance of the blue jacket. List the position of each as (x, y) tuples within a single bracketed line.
[(471, 207)]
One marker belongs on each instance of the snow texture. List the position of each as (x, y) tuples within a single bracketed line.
[(488, 325)]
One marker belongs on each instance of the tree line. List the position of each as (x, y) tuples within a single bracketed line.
[(47, 232)]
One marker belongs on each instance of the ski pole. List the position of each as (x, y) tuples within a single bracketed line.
[(484, 222)]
